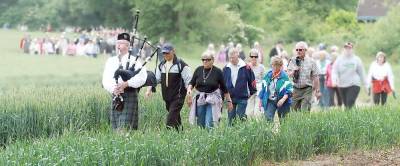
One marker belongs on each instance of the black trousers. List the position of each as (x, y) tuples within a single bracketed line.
[(174, 108), (349, 95), (380, 98), (332, 93)]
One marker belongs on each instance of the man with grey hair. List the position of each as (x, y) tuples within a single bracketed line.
[(241, 84), (304, 73), (126, 116)]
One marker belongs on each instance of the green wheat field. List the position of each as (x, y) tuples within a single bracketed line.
[(53, 111)]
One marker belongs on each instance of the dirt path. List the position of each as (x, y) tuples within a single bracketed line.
[(373, 158)]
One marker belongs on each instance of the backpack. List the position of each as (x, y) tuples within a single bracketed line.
[(181, 64)]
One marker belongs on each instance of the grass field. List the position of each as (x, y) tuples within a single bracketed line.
[(53, 111)]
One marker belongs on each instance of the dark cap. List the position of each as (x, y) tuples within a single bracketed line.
[(124, 36), (167, 48), (348, 45)]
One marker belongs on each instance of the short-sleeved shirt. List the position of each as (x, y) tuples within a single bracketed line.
[(308, 71), (207, 82)]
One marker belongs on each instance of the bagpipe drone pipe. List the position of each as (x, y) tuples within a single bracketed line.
[(129, 72)]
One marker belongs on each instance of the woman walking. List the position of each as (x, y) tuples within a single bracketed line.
[(332, 90), (380, 75), (206, 104), (348, 75), (253, 107), (276, 92)]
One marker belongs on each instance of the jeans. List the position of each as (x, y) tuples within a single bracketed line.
[(272, 108), (324, 100), (204, 116), (332, 93), (239, 108)]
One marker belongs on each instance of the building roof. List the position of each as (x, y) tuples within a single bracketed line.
[(370, 10)]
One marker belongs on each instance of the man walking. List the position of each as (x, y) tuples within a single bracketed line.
[(241, 84), (174, 75), (304, 73), (128, 117)]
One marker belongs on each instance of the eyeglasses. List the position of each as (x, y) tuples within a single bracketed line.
[(300, 49), (253, 56), (206, 60)]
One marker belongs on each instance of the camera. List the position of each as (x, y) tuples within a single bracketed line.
[(296, 73)]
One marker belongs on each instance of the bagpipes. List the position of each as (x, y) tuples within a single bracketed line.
[(129, 72)]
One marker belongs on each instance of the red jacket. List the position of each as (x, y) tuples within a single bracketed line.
[(379, 86), (328, 80)]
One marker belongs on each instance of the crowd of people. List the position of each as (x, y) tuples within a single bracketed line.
[(89, 43), (251, 89)]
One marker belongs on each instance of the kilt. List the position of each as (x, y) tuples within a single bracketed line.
[(129, 116)]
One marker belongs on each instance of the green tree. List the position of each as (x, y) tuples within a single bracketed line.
[(383, 35), (188, 20)]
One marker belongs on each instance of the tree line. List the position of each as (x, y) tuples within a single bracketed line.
[(189, 20)]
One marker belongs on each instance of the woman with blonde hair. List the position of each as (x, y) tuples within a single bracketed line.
[(277, 90), (206, 103), (253, 108), (381, 77), (322, 64)]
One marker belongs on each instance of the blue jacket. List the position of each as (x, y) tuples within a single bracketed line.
[(283, 86), (245, 83)]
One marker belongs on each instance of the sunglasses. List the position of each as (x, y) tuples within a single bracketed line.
[(253, 56), (206, 60), (300, 50)]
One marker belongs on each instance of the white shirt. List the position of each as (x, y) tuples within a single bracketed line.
[(278, 50), (285, 64), (49, 47), (168, 66), (113, 64), (80, 49), (91, 49), (272, 88), (379, 72), (235, 70), (259, 72)]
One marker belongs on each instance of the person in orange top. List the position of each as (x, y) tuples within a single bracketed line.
[(380, 75)]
